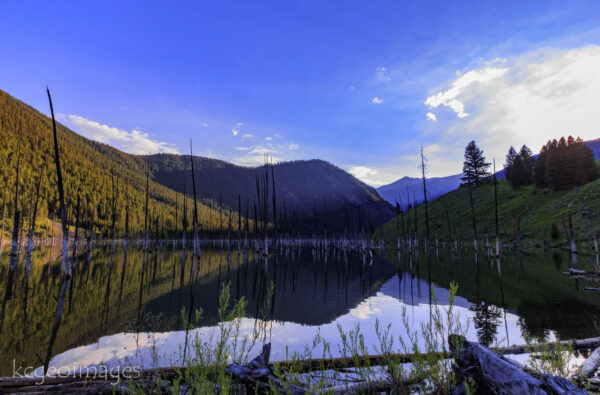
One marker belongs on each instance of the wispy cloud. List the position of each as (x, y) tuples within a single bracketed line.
[(236, 128), (255, 154), (537, 96), (449, 98), (364, 174), (382, 74), (134, 142), (377, 100), (431, 116)]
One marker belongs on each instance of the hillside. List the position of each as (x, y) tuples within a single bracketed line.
[(438, 186), (315, 192), (87, 167), (537, 210), (311, 189)]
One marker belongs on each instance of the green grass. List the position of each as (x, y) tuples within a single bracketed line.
[(537, 209)]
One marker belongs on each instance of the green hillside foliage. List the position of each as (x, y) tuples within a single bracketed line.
[(87, 168), (538, 210)]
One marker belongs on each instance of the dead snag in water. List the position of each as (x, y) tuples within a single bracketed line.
[(76, 235), (65, 266), (14, 246), (425, 199), (570, 233), (31, 232), (496, 210), (3, 223)]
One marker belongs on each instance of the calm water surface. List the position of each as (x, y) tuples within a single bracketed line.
[(116, 312)]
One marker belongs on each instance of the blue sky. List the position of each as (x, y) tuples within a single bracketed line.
[(361, 84)]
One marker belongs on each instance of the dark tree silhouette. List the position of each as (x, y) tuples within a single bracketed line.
[(519, 167), (475, 168), (565, 163)]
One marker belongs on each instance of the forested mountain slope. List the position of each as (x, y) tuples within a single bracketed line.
[(311, 193), (87, 168), (312, 189)]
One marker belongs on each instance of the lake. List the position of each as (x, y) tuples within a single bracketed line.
[(128, 309)]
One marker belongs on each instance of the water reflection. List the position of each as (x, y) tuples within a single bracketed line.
[(105, 303)]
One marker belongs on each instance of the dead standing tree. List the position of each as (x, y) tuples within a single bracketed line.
[(427, 235), (65, 265), (475, 172)]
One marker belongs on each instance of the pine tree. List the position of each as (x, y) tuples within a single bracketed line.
[(510, 159), (475, 168), (521, 171), (529, 160), (539, 172), (564, 164)]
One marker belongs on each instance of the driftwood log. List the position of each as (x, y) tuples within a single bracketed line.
[(259, 373), (577, 273), (310, 365), (258, 370), (591, 364), (495, 374)]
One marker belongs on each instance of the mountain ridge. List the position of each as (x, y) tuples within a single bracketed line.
[(89, 167)]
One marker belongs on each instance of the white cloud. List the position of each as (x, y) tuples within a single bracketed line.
[(263, 149), (248, 136), (255, 160), (351, 87), (382, 75), (431, 116), (134, 142), (377, 100), (364, 174), (255, 155), (236, 129), (541, 95), (269, 138), (205, 124), (449, 97)]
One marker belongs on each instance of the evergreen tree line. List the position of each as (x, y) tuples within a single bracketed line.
[(561, 164)]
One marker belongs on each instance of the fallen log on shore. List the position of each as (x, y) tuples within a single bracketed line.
[(378, 360), (577, 273), (259, 369), (495, 374)]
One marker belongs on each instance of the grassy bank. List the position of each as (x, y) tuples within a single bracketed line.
[(535, 209)]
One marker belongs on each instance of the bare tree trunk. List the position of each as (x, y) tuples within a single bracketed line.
[(425, 199), (571, 238), (473, 216), (3, 223), (66, 266), (145, 244), (76, 235), (14, 255), (31, 233), (496, 210)]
